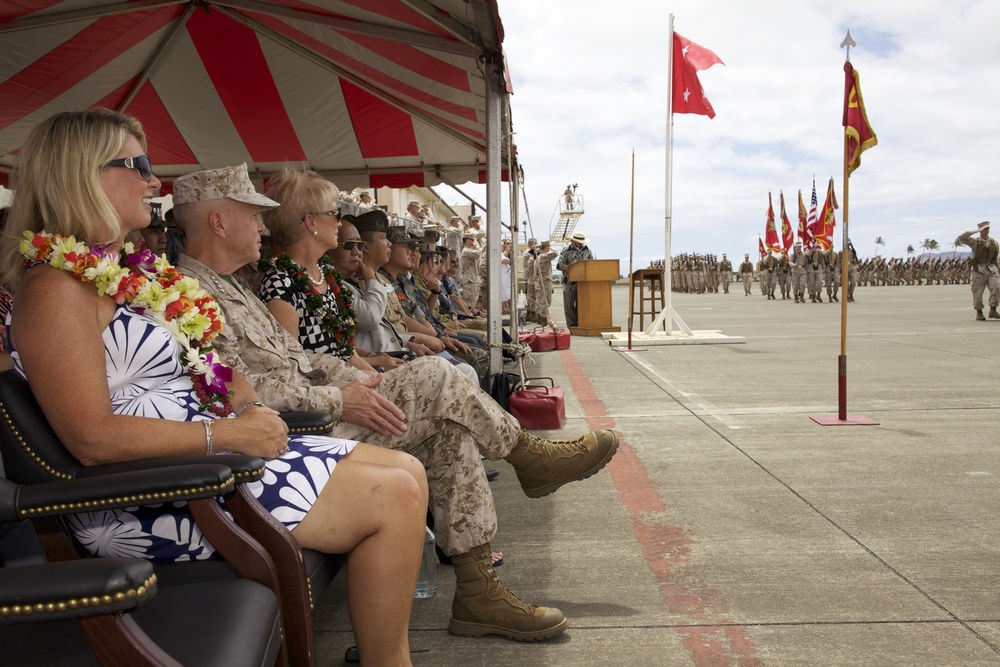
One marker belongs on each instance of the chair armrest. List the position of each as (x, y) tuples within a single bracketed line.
[(74, 589), (308, 423), (142, 487), (245, 468)]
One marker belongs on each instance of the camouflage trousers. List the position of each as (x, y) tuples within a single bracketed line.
[(451, 425), (982, 281), (544, 301), (799, 283), (747, 279), (470, 291)]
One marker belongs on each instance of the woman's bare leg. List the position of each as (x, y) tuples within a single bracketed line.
[(374, 507)]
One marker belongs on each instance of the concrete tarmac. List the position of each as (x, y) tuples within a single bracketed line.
[(732, 529)]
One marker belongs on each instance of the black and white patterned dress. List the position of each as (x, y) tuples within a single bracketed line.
[(147, 379), (277, 284)]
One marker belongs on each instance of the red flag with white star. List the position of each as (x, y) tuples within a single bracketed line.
[(689, 59)]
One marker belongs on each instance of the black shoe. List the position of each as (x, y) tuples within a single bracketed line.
[(492, 475)]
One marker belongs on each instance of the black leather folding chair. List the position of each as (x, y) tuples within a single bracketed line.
[(32, 453), (108, 611)]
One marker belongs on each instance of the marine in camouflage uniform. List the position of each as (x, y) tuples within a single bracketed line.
[(725, 273), (814, 275), (798, 260), (784, 273), (469, 270), (543, 271), (985, 274), (768, 266), (746, 274), (530, 280), (832, 273)]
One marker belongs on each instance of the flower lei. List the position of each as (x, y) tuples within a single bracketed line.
[(153, 287), (339, 322)]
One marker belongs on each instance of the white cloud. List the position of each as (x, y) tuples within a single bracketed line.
[(590, 82)]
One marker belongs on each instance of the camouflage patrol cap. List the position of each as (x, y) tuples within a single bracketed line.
[(372, 221), (223, 183), (400, 234)]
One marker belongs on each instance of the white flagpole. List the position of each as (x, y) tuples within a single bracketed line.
[(667, 316)]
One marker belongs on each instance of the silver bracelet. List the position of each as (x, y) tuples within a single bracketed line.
[(208, 436), (257, 403)]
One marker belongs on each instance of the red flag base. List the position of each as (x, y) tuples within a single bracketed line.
[(842, 418), (851, 420)]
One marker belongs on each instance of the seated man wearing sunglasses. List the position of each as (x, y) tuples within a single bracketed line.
[(374, 334)]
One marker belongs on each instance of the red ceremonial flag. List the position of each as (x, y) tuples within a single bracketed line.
[(802, 220), (787, 235), (760, 248), (689, 59), (860, 135), (828, 221), (771, 239)]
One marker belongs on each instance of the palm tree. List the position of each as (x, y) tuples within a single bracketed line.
[(878, 241), (909, 249), (933, 245)]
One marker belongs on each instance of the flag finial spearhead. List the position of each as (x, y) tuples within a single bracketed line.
[(847, 44)]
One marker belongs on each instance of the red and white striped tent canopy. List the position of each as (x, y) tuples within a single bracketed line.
[(369, 93)]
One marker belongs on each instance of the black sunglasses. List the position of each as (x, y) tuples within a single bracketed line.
[(140, 163), (351, 245)]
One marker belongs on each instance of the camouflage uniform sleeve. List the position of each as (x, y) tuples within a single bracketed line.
[(262, 351)]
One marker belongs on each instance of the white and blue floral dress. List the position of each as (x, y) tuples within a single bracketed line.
[(146, 379)]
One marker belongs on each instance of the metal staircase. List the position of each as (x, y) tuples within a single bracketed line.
[(570, 209)]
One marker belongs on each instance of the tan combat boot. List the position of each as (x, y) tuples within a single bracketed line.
[(542, 466), (994, 315), (980, 316), (484, 606)]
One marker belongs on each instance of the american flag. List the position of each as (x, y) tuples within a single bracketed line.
[(811, 220)]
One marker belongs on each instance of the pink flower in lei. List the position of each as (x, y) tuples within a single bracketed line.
[(151, 286)]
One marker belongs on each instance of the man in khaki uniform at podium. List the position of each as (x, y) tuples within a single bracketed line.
[(984, 273), (576, 251)]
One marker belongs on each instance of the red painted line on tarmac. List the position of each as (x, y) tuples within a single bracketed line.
[(667, 548)]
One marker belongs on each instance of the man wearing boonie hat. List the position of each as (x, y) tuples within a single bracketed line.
[(984, 273), (576, 251), (426, 408)]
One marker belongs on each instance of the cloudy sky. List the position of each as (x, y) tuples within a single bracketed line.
[(591, 82)]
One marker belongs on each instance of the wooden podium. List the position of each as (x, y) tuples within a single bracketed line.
[(593, 278)]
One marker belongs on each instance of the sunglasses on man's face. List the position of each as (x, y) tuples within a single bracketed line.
[(351, 245), (140, 163)]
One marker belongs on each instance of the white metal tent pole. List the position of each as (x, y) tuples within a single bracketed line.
[(667, 315), (494, 165)]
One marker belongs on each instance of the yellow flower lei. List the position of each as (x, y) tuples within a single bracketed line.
[(151, 286)]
